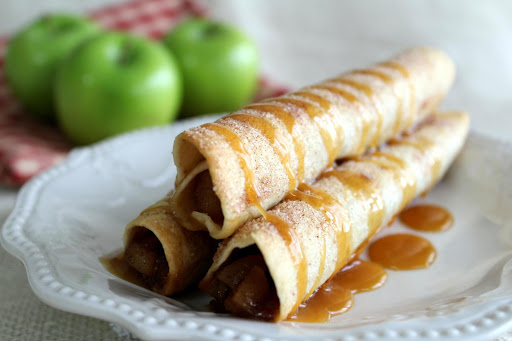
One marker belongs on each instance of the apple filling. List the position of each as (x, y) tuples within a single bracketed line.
[(205, 198), (146, 255), (243, 286)]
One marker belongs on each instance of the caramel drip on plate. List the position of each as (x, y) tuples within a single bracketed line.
[(236, 144), (335, 297), (402, 252), (407, 75), (361, 276), (325, 303), (327, 131), (389, 81), (294, 246), (118, 267), (270, 132), (377, 107), (430, 218), (355, 101), (289, 121)]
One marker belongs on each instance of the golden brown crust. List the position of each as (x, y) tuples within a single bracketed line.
[(256, 155), (188, 254), (312, 233)]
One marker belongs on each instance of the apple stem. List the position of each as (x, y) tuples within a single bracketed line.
[(56, 28), (126, 53), (212, 30)]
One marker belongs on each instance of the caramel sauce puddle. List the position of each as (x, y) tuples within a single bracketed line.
[(429, 218), (336, 296), (402, 251), (399, 251)]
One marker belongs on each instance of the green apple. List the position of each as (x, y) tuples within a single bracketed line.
[(219, 65), (34, 54), (114, 83)]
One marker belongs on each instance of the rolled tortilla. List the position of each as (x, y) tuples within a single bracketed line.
[(168, 257), (269, 266), (234, 169)]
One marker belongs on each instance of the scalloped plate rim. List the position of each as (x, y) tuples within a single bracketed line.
[(18, 244)]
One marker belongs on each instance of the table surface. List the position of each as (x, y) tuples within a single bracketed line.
[(338, 36)]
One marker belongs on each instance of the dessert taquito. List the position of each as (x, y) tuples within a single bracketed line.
[(168, 257), (273, 263), (234, 169)]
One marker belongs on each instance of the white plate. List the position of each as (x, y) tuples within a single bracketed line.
[(68, 217)]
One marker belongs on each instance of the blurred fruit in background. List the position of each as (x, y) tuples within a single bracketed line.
[(29, 146), (34, 55), (99, 84), (114, 83), (219, 65)]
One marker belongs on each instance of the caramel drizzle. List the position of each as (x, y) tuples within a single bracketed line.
[(268, 130), (318, 199), (421, 144), (322, 102), (398, 168), (327, 131), (336, 120), (355, 101), (330, 133), (377, 107), (236, 144), (361, 186), (324, 202), (412, 105), (388, 80), (321, 269), (289, 121), (295, 247)]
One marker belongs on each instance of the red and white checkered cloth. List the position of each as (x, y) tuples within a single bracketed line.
[(28, 147)]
